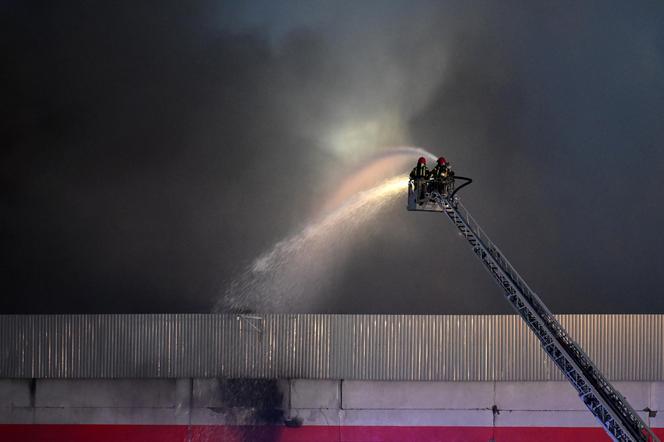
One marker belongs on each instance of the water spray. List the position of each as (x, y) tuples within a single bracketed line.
[(288, 276)]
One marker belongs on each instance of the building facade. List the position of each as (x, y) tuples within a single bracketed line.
[(186, 377)]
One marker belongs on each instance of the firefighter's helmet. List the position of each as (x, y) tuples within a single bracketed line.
[(442, 161), (422, 160)]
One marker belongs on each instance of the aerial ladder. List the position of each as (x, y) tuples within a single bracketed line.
[(611, 409)]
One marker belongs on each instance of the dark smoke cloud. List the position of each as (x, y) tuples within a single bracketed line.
[(152, 150)]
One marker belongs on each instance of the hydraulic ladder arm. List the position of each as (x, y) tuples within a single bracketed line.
[(610, 408)]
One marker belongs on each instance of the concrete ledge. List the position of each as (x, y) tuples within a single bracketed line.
[(417, 395), (549, 418), (467, 418), (318, 402), (537, 396), (657, 396), (636, 393), (17, 415), (116, 415), (207, 393), (183, 393), (305, 393), (15, 392), (324, 417), (207, 416), (235, 416), (105, 393)]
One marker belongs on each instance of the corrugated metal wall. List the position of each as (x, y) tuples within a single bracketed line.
[(372, 347)]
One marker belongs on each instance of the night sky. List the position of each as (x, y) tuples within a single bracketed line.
[(152, 150)]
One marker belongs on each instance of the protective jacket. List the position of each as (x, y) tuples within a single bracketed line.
[(419, 171), (440, 172)]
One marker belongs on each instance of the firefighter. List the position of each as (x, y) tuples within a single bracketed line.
[(420, 175), (441, 176)]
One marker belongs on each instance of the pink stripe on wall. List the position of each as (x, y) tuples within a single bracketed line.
[(219, 433)]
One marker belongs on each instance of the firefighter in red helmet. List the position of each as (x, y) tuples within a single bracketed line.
[(420, 171), (442, 176), (420, 175)]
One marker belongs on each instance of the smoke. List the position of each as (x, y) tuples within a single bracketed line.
[(154, 151)]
